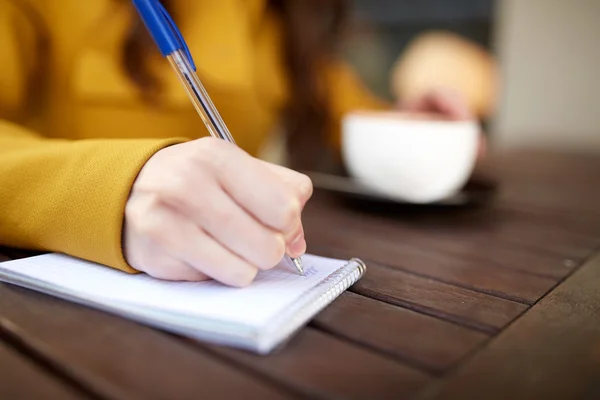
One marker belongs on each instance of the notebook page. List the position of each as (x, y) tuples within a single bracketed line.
[(270, 293)]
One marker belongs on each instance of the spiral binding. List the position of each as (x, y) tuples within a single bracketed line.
[(313, 301), (345, 279)]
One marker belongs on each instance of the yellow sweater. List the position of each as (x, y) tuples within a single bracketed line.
[(68, 160)]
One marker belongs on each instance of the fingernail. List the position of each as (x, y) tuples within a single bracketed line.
[(298, 246)]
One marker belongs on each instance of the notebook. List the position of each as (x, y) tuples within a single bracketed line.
[(260, 318)]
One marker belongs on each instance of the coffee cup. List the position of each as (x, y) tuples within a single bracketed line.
[(410, 157)]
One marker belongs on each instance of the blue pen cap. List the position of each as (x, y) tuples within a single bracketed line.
[(162, 28)]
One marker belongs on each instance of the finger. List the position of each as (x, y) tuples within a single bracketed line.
[(417, 104), (152, 260), (296, 246), (232, 227), (450, 103), (301, 183), (211, 258), (256, 188), (296, 243), (183, 240), (447, 102), (169, 268)]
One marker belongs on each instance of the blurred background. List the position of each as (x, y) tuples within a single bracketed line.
[(530, 68)]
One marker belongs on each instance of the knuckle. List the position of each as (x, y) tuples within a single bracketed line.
[(290, 213), (305, 186), (131, 211), (274, 251), (137, 210), (211, 152), (205, 143)]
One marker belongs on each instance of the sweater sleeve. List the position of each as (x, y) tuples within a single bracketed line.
[(68, 196), (59, 195)]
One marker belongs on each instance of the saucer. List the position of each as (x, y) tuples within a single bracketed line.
[(478, 190)]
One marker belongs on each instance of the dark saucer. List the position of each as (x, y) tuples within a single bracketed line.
[(478, 190)]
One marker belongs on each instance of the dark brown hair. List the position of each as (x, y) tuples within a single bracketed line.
[(312, 30)]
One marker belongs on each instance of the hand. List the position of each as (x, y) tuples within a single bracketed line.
[(447, 104), (206, 209)]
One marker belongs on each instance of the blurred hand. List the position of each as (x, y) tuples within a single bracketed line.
[(446, 103), (206, 209)]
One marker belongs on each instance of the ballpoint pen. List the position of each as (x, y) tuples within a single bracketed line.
[(172, 45)]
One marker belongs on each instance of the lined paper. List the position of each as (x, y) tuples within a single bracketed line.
[(270, 293)]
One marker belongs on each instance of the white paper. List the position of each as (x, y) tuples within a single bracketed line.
[(270, 293)]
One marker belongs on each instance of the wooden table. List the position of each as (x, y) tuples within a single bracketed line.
[(499, 301)]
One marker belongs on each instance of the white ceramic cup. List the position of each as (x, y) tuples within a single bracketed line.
[(409, 157)]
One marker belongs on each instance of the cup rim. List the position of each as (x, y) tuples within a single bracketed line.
[(411, 117)]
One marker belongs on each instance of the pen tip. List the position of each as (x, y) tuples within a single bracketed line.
[(298, 263)]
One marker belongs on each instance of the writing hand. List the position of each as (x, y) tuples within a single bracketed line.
[(206, 209)]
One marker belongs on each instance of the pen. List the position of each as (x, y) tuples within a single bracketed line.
[(170, 41)]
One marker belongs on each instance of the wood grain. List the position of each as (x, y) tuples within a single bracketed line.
[(569, 220), (319, 366), (553, 351), (512, 228), (421, 340), (520, 253), (21, 379), (503, 238), (546, 197), (461, 271), (462, 306), (117, 358)]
